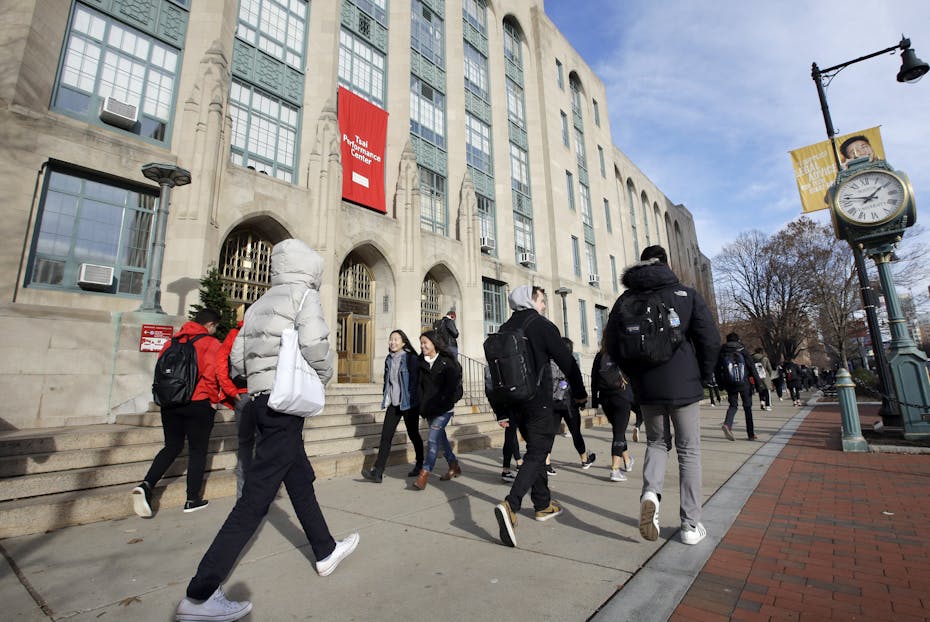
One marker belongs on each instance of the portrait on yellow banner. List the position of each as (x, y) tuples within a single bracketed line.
[(815, 167)]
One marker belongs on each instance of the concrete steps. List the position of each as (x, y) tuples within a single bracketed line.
[(56, 477)]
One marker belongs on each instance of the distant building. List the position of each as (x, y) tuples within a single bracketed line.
[(497, 170)]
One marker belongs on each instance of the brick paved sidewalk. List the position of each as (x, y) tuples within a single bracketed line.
[(825, 536)]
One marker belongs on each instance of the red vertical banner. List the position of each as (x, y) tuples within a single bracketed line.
[(363, 127)]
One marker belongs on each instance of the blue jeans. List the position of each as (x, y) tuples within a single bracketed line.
[(437, 438)]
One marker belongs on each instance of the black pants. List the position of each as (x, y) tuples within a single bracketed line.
[(538, 427), (511, 445), (795, 390), (194, 422), (392, 417), (279, 456), (618, 414), (734, 396), (572, 419), (714, 393)]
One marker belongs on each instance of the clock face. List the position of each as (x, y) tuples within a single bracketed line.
[(871, 197)]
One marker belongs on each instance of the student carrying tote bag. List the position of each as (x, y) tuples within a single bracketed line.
[(297, 388)]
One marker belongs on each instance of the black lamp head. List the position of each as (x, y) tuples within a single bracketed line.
[(912, 68)]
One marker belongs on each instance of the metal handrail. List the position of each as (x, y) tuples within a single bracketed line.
[(472, 380)]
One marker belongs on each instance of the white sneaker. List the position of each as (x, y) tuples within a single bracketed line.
[(692, 534), (616, 475), (217, 608), (344, 548), (629, 465), (649, 516)]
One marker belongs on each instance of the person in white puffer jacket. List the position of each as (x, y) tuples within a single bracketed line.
[(279, 455)]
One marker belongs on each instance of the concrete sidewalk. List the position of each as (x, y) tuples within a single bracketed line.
[(424, 555)]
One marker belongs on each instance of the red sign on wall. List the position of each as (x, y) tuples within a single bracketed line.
[(154, 337), (364, 133)]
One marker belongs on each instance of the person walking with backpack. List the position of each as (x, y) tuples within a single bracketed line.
[(567, 410), (764, 373), (664, 337), (502, 411), (611, 389), (447, 331), (400, 395), (440, 384), (280, 456), (792, 375), (519, 355), (186, 387), (736, 374)]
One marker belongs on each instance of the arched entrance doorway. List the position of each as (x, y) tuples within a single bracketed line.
[(353, 325), (245, 261)]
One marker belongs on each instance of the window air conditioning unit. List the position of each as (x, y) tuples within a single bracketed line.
[(94, 277), (487, 243), (527, 259), (120, 114), (594, 279)]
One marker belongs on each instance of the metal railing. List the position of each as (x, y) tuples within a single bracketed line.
[(472, 380)]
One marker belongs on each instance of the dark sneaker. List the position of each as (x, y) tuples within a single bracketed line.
[(550, 512), (507, 521), (586, 464), (343, 549), (193, 506), (508, 476), (550, 470), (415, 470), (728, 432), (649, 516), (142, 500), (217, 607), (372, 475)]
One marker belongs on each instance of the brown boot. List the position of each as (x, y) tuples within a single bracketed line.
[(454, 471), (422, 480)]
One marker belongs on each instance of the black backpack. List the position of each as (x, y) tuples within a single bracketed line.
[(733, 368), (176, 373), (610, 375), (648, 332), (513, 377)]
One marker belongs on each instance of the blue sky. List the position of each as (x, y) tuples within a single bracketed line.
[(708, 98)]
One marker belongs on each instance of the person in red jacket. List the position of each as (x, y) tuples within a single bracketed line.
[(193, 421), (236, 397)]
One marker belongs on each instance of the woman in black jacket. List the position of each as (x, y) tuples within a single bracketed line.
[(401, 391), (611, 389), (440, 376)]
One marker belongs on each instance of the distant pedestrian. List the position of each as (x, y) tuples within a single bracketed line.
[(764, 373), (792, 375), (280, 456), (534, 416), (669, 390), (566, 409), (736, 373), (611, 389), (192, 420), (448, 332), (400, 397), (440, 378)]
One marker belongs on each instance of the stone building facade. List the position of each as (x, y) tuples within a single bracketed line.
[(498, 166)]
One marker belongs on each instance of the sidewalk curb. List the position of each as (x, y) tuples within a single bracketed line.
[(656, 589)]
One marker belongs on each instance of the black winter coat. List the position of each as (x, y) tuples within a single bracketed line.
[(680, 380), (545, 345), (601, 393), (723, 378), (437, 385)]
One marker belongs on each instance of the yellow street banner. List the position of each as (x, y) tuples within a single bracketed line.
[(815, 168)]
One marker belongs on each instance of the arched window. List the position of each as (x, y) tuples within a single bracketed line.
[(631, 195), (245, 266), (429, 301), (645, 201)]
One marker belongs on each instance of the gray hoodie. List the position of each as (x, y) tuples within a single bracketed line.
[(521, 298), (295, 269)]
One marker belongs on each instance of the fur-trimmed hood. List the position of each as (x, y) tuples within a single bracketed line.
[(648, 275)]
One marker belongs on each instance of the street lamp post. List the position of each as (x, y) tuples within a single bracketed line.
[(563, 292), (912, 69), (167, 176)]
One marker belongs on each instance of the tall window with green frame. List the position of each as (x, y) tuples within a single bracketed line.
[(495, 305), (85, 219), (583, 313), (116, 76), (266, 117)]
